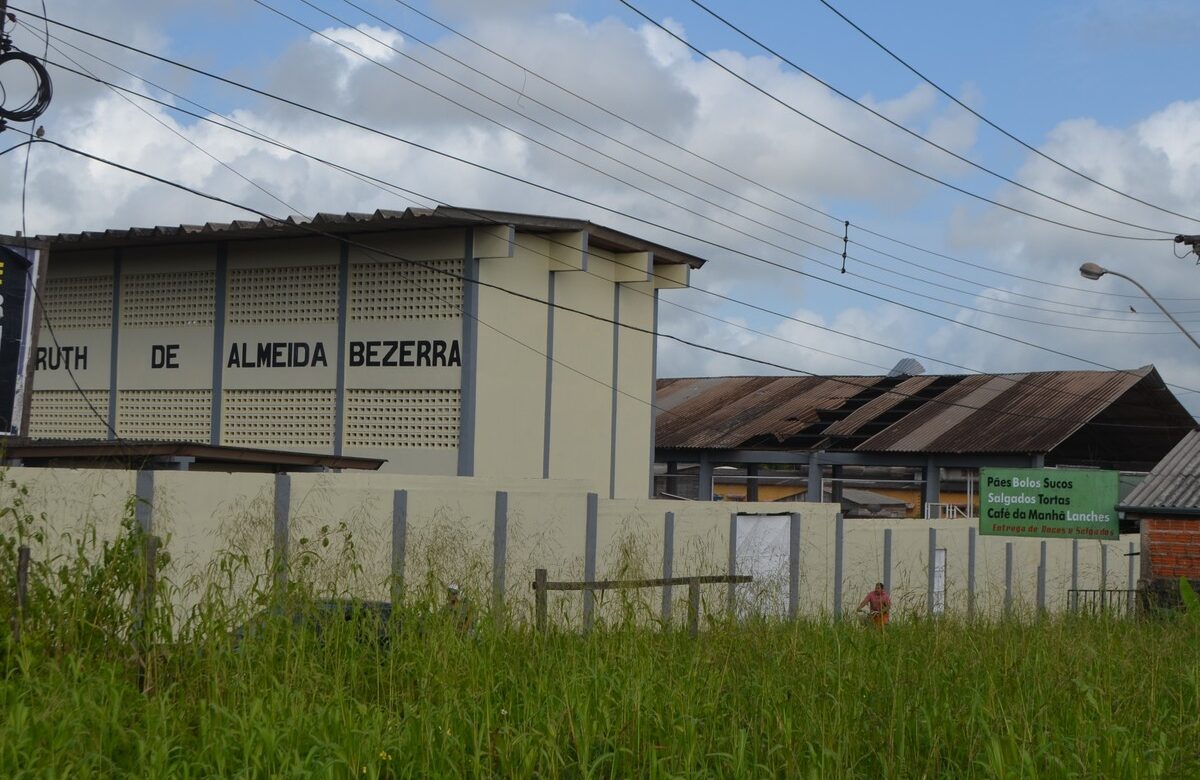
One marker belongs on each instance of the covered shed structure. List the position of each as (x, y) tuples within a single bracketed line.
[(1166, 509), (930, 424)]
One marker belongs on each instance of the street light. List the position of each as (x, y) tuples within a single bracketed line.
[(1093, 271)]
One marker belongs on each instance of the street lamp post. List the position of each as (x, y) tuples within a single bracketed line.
[(1093, 271)]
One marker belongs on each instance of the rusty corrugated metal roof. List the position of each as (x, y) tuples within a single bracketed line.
[(1007, 412), (728, 412), (983, 413), (359, 222), (1174, 484)]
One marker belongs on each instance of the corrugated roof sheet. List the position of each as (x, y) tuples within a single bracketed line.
[(728, 412), (1174, 483), (984, 413), (1007, 412), (380, 220)]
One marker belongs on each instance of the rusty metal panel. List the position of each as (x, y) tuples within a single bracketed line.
[(871, 410), (728, 412), (1015, 413)]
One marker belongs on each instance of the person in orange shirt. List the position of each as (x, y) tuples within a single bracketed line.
[(879, 605)]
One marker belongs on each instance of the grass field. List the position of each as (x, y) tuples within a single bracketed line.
[(1048, 698)]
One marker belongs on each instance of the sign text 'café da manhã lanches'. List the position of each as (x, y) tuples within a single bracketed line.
[(1056, 503)]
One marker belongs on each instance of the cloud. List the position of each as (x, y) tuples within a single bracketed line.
[(637, 73)]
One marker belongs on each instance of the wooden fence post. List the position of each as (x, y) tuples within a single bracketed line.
[(539, 598), (22, 591), (693, 607)]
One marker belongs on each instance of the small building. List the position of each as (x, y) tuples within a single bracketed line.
[(926, 435), (1165, 507), (445, 341)]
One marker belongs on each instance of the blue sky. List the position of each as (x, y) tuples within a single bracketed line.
[(1108, 87)]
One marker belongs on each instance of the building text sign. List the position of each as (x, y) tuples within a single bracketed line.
[(1048, 503)]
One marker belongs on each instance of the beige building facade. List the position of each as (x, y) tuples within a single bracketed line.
[(448, 341)]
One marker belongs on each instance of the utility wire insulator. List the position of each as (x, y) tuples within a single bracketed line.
[(845, 244)]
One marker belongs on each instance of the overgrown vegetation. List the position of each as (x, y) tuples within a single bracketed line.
[(1056, 697)]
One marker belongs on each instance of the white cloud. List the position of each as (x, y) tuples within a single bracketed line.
[(640, 75)]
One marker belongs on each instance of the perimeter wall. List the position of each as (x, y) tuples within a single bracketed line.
[(363, 534)]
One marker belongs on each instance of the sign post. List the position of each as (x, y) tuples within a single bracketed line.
[(1048, 503)]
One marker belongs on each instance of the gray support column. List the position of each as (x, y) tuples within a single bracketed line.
[(399, 544), (839, 556), (794, 530), (931, 490), (1041, 578), (283, 500), (835, 486), (887, 560), (671, 481), (752, 482), (1008, 577), (705, 477), (616, 367), (499, 550), (972, 541), (731, 595), (114, 345), (546, 426), (814, 493), (1074, 564), (653, 388), (589, 559), (668, 562), (343, 315), (1132, 574), (931, 596), (470, 358), (143, 511), (1037, 461), (218, 365)]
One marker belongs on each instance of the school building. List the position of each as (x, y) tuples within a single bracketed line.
[(443, 341)]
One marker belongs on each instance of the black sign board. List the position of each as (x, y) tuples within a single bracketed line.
[(14, 291)]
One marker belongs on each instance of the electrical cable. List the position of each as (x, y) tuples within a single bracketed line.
[(387, 187), (997, 127), (409, 36), (37, 103), (423, 147), (867, 148), (552, 304), (741, 177), (698, 214), (594, 204), (909, 131), (359, 53)]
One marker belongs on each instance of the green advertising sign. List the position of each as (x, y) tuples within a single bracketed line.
[(1048, 503)]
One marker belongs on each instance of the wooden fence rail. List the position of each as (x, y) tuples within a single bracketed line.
[(542, 586)]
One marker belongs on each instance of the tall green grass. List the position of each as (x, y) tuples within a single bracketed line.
[(1042, 698)]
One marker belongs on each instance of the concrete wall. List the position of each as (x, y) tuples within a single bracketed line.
[(220, 532)]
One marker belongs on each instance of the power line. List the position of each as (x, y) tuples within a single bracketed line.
[(910, 131), (495, 171), (409, 36), (553, 304), (867, 148), (376, 182), (595, 204), (388, 187), (997, 127), (741, 177), (357, 52)]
